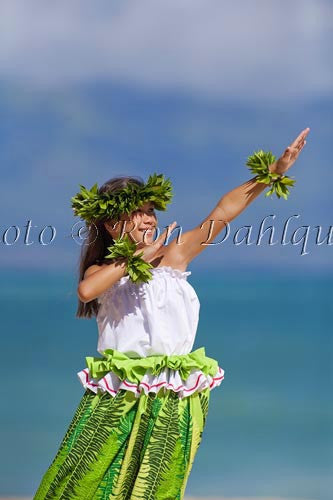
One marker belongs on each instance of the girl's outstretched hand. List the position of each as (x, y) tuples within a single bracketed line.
[(290, 155), (150, 250)]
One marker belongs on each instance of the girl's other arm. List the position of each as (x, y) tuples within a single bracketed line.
[(97, 279)]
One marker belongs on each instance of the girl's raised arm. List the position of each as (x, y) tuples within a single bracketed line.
[(231, 205)]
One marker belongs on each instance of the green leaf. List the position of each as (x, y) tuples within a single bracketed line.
[(278, 189), (286, 180), (270, 192)]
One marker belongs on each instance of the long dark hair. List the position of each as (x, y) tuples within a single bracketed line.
[(95, 247)]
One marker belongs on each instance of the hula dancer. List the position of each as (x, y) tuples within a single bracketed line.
[(138, 426)]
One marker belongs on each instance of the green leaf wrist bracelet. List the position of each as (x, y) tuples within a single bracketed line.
[(259, 164), (136, 267)]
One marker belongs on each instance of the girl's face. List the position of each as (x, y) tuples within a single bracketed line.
[(139, 225)]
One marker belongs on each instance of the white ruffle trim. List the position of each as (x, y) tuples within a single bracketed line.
[(167, 379)]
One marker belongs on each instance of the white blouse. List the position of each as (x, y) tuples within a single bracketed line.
[(158, 317), (146, 319)]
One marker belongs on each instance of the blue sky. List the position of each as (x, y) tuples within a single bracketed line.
[(189, 89)]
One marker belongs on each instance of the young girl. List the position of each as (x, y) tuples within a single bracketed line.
[(139, 423)]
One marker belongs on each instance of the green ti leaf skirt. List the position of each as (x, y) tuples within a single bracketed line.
[(127, 447)]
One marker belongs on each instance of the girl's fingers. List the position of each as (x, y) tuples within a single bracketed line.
[(304, 134), (301, 146), (301, 143), (300, 138), (295, 150)]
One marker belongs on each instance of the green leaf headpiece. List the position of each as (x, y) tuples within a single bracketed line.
[(91, 205)]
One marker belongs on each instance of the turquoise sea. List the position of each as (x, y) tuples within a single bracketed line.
[(269, 429)]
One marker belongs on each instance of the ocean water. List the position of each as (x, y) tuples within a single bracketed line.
[(269, 429)]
